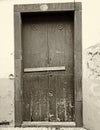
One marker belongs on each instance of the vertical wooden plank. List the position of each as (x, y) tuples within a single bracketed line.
[(52, 98), (78, 113), (35, 55), (60, 98), (69, 62), (44, 96), (69, 94), (35, 106), (35, 97), (27, 97), (18, 70), (78, 53), (18, 113), (17, 35), (78, 66), (34, 41), (60, 41), (56, 40), (69, 44), (64, 97)]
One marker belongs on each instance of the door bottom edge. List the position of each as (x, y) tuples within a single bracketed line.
[(47, 124)]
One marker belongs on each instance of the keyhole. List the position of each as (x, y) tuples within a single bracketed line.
[(50, 75)]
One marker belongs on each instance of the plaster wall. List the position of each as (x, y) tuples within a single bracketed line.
[(91, 80)]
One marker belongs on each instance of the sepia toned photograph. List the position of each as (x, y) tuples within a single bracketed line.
[(50, 65)]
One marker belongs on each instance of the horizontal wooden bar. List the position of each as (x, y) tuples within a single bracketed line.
[(50, 7), (59, 68), (47, 124)]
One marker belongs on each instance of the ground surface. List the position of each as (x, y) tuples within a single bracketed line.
[(42, 128)]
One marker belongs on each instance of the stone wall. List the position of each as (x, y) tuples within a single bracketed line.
[(91, 87), (6, 102)]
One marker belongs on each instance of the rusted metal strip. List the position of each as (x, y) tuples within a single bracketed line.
[(58, 68)]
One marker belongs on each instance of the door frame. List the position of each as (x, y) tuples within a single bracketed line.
[(18, 82)]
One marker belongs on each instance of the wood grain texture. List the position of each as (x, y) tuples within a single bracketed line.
[(35, 97), (61, 98), (69, 69), (35, 42), (18, 81), (52, 99), (17, 36), (18, 113), (51, 7), (78, 54), (41, 69), (56, 44), (78, 66), (56, 40), (18, 70), (78, 114), (77, 6)]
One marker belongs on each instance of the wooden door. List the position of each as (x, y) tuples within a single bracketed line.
[(48, 62)]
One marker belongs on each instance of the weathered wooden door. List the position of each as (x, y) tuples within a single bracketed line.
[(48, 62)]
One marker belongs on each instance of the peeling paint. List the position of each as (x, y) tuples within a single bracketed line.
[(93, 61), (91, 88)]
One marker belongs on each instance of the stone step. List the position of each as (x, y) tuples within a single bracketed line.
[(43, 128)]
